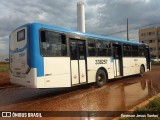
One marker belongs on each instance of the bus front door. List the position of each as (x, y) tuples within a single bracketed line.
[(78, 61), (117, 60)]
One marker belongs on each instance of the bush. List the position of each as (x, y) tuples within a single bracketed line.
[(155, 63)]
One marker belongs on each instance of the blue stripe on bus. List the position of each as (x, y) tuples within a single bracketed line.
[(90, 35), (19, 50), (28, 48), (37, 61)]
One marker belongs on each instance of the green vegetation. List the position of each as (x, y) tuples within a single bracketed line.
[(155, 63), (4, 67), (152, 108)]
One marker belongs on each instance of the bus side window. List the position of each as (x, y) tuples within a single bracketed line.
[(53, 44), (126, 50), (91, 47), (63, 37), (107, 47), (101, 50), (141, 51), (43, 36), (135, 50)]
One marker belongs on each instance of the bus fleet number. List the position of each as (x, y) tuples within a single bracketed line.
[(101, 62)]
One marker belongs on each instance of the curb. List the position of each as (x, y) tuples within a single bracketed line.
[(140, 105)]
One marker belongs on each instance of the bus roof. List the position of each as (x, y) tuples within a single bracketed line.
[(84, 34)]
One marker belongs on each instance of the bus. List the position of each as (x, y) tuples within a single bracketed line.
[(43, 56)]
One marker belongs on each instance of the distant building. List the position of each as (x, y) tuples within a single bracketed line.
[(151, 36)]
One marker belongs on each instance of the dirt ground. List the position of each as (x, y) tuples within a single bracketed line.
[(116, 95), (4, 78)]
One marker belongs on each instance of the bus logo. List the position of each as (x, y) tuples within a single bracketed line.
[(6, 114)]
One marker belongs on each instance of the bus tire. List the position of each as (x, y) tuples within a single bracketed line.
[(101, 78), (142, 70)]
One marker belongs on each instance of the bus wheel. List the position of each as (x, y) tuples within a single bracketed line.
[(141, 71), (100, 78)]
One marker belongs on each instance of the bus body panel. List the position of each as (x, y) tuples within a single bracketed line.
[(82, 71), (132, 65), (37, 61), (74, 72), (57, 72), (18, 52), (116, 67), (29, 80), (40, 82), (100, 62), (24, 55)]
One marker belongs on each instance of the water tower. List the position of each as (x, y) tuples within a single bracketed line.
[(81, 16)]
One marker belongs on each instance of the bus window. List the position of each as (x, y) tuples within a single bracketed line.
[(115, 53), (82, 50), (126, 50), (107, 46), (21, 35), (43, 36), (73, 48), (101, 50), (53, 44), (135, 50), (141, 51), (63, 39), (91, 47)]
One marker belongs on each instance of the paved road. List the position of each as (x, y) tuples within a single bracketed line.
[(117, 95)]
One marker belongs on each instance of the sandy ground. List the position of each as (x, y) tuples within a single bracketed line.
[(117, 95), (4, 78)]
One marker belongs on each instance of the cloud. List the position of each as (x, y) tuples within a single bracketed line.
[(4, 45), (102, 16)]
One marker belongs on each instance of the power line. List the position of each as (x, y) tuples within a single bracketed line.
[(134, 28)]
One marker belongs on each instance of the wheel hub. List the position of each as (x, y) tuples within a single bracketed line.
[(100, 78)]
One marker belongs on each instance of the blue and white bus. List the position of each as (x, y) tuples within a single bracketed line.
[(43, 56)]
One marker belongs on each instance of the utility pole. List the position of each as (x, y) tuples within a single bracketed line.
[(127, 31)]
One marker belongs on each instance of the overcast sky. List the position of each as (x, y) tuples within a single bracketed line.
[(103, 17)]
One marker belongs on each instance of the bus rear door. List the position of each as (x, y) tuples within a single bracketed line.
[(117, 60), (78, 61)]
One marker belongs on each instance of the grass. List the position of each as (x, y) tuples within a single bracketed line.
[(152, 108), (155, 63), (4, 67)]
